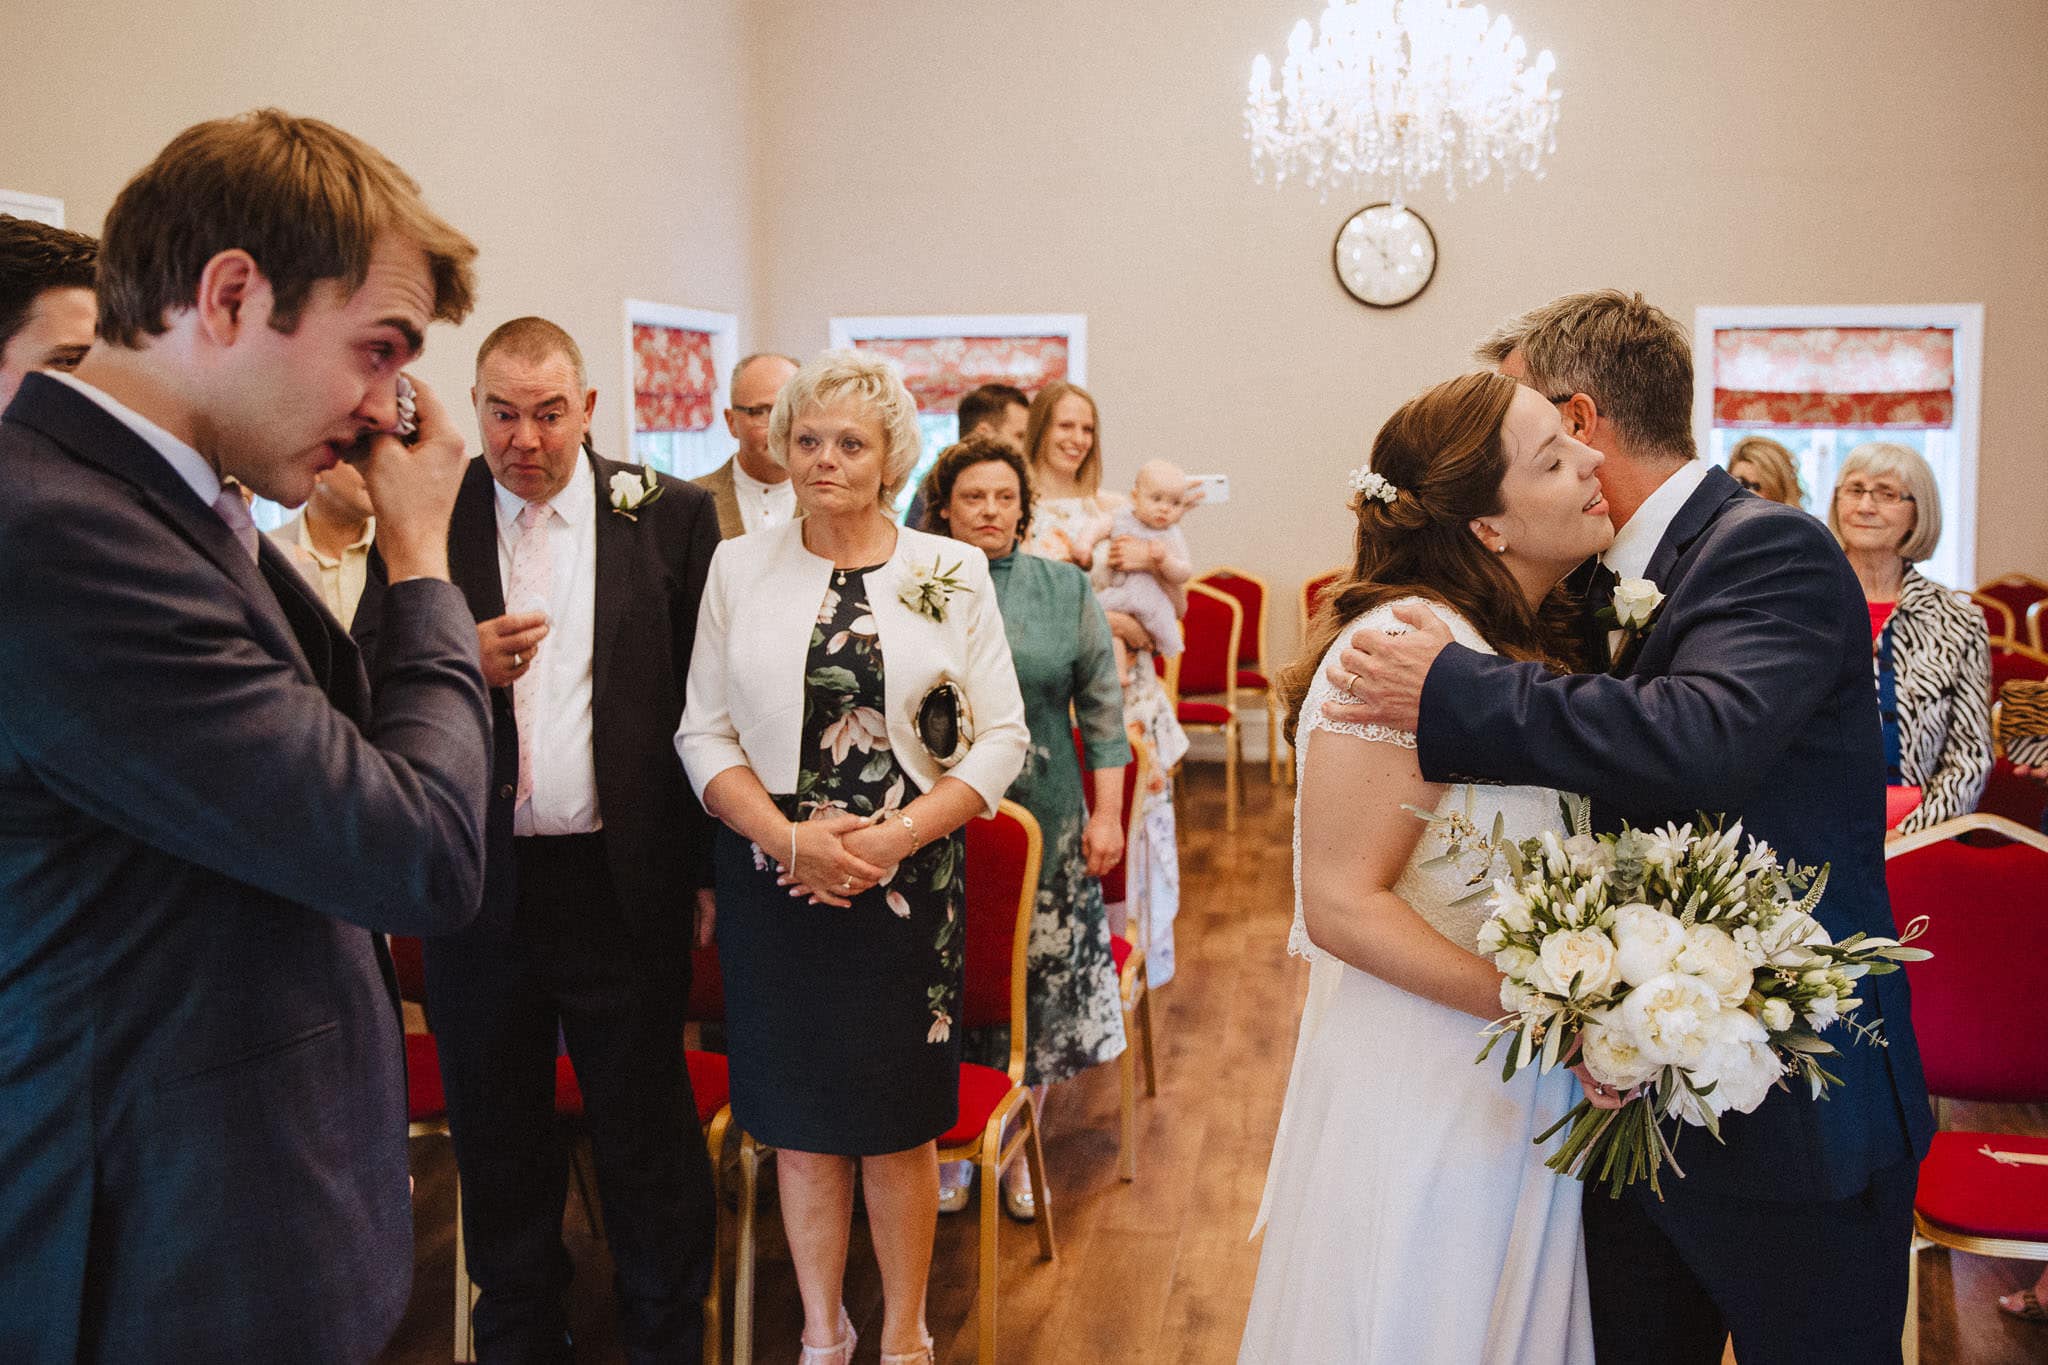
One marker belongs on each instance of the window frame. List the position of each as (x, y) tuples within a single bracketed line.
[(1964, 320), (724, 330)]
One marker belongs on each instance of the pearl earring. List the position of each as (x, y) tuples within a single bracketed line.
[(1501, 548)]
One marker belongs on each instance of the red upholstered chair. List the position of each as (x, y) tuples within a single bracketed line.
[(2017, 593), (2037, 625), (2015, 798), (1254, 674), (1980, 1010), (1212, 634), (1003, 857), (1999, 621), (1126, 882), (1312, 594), (2016, 661)]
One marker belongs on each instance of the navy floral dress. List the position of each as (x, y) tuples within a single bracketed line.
[(840, 1020)]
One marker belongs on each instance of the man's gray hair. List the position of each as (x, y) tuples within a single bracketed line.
[(1626, 354)]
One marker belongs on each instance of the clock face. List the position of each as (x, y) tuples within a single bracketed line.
[(1384, 255)]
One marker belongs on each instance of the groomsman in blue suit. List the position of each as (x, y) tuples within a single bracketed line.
[(1751, 695), (209, 812)]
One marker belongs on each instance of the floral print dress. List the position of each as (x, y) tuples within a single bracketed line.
[(840, 1020)]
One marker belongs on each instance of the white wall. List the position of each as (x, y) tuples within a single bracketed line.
[(975, 156), (593, 152)]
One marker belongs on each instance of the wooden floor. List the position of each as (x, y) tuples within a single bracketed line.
[(1158, 1272)]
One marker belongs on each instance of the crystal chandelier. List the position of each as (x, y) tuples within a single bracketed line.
[(1391, 93)]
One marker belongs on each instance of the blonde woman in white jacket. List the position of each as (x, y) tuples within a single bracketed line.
[(851, 705)]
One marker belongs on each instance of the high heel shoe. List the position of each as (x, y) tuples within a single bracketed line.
[(839, 1352), (1020, 1201), (921, 1356), (952, 1197)]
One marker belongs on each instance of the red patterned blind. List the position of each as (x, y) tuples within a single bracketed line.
[(939, 370), (1834, 377), (675, 383)]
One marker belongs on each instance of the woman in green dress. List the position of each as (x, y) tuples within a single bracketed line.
[(1059, 640)]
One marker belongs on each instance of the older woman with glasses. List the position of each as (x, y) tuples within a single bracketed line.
[(1932, 652), (851, 705), (1766, 469)]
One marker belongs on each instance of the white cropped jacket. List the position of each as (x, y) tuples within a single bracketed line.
[(745, 705)]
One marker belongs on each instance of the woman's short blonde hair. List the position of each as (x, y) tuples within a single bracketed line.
[(872, 383), (1876, 459), (1773, 466)]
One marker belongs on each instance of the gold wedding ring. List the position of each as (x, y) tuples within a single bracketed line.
[(1354, 683)]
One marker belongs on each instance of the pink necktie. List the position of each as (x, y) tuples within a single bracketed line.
[(532, 575), (232, 510)]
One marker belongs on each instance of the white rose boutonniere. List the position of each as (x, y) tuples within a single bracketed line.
[(629, 494), (930, 588), (1635, 602)]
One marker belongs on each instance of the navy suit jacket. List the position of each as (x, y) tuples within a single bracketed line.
[(650, 576), (203, 817), (1751, 696)]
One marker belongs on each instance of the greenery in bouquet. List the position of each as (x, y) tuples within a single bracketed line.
[(1683, 967)]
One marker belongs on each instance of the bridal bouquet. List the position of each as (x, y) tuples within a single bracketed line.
[(1685, 969)]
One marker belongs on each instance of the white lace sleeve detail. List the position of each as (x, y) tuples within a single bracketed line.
[(1377, 734)]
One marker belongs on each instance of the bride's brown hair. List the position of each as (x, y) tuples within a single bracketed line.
[(1442, 453)]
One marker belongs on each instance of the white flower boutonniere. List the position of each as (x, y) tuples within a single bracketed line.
[(1635, 604), (930, 588), (629, 494)]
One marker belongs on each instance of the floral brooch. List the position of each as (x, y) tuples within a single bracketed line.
[(930, 589), (629, 494)]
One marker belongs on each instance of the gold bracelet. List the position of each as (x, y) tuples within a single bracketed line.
[(910, 825)]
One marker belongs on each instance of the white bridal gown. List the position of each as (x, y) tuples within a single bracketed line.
[(1408, 1213)]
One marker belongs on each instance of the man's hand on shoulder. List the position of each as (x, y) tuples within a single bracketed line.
[(1385, 673), (413, 490)]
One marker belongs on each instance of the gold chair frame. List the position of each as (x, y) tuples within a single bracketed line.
[(1134, 981), (1270, 693), (1229, 728)]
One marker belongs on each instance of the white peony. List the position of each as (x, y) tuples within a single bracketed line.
[(1777, 1016), (1511, 908), (1715, 958), (1646, 942), (1613, 1059), (1587, 954), (1492, 936), (1666, 1018), (1737, 1062), (1588, 855), (1635, 601), (1514, 996)]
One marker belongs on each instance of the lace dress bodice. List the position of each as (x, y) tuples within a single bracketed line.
[(1441, 894)]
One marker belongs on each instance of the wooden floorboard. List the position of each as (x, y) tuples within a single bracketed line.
[(1158, 1271)]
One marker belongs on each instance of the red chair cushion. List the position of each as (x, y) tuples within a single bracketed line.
[(1968, 1192), (2017, 798), (2009, 664), (707, 987), (1119, 951), (1206, 664), (982, 1088), (710, 1082), (1252, 598), (1899, 802), (1203, 713), (996, 849), (409, 965), (1252, 678), (424, 1097), (568, 1094)]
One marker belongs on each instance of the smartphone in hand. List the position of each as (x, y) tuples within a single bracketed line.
[(408, 425)]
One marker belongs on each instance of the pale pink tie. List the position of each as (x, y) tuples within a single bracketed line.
[(532, 575), (232, 510)]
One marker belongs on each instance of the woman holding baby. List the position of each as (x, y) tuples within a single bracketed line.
[(1071, 520)]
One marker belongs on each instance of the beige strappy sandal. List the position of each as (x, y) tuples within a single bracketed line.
[(839, 1352)]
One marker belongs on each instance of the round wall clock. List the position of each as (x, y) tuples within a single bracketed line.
[(1384, 255)]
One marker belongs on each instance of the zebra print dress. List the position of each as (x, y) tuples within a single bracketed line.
[(1941, 678)]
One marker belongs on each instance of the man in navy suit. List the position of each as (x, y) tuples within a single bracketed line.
[(1749, 695), (207, 809), (583, 575)]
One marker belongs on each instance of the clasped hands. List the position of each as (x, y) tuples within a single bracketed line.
[(1385, 672), (839, 856)]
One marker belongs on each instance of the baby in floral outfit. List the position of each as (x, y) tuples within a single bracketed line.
[(1150, 596)]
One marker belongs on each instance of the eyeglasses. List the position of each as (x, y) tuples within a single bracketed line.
[(757, 413), (1852, 493)]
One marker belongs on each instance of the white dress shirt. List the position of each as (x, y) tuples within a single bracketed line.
[(1635, 544), (192, 467), (564, 799), (762, 504)]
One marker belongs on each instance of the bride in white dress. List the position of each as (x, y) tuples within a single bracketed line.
[(1408, 1214)]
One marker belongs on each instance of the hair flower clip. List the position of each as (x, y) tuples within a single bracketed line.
[(1374, 486)]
